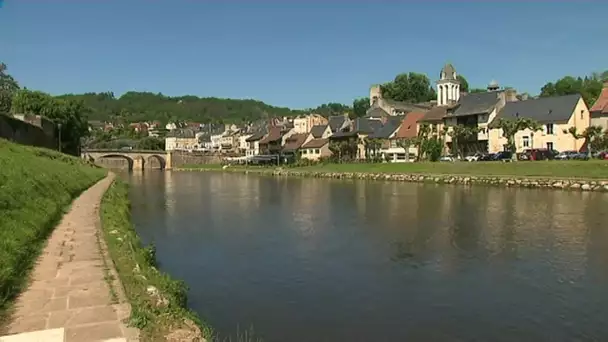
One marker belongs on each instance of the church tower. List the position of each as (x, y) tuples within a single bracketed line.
[(448, 86)]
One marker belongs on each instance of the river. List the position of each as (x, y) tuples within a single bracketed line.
[(334, 260)]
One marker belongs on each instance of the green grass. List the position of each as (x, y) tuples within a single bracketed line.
[(36, 187), (136, 267), (592, 169)]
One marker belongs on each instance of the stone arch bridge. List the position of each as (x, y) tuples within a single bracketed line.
[(136, 159)]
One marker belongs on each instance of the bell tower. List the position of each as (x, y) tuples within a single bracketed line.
[(448, 86)]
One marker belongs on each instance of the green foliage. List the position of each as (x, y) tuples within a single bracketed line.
[(464, 84), (151, 143), (511, 127), (8, 88), (477, 90), (595, 139), (36, 186), (331, 108), (135, 265), (71, 114), (343, 150), (409, 87), (145, 106), (360, 107), (461, 135), (589, 86)]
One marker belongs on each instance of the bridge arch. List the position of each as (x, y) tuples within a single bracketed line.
[(130, 161), (162, 163)]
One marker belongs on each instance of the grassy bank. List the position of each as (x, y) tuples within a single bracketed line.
[(592, 169), (36, 187), (158, 302)]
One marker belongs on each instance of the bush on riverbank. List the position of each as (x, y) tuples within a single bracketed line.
[(36, 186), (159, 307)]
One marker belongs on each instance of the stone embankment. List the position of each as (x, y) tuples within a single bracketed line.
[(506, 181)]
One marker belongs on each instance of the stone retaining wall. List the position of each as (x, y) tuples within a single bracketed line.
[(531, 182)]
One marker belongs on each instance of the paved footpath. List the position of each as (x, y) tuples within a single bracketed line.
[(69, 298)]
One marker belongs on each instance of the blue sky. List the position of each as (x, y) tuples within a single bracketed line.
[(296, 54)]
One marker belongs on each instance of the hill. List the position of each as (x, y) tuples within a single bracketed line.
[(145, 106)]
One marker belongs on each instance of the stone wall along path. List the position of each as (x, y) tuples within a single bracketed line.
[(73, 290)]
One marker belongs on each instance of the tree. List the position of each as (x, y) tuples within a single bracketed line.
[(590, 134), (360, 107), (460, 136), (464, 84), (70, 114), (477, 90), (589, 87), (405, 144), (411, 87), (8, 87), (332, 108), (510, 127)]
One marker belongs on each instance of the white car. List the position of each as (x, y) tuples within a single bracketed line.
[(447, 158), (472, 158)]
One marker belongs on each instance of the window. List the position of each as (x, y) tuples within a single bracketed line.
[(550, 128), (317, 151), (393, 143), (526, 141), (550, 146), (582, 113)]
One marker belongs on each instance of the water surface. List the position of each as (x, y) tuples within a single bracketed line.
[(335, 260)]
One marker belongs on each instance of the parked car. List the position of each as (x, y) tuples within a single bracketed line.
[(447, 158), (537, 154), (566, 155), (580, 156), (602, 155), (504, 156), (487, 157), (473, 157)]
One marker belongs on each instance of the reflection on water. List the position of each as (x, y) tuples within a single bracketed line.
[(330, 260)]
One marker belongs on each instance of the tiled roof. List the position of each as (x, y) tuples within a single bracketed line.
[(387, 129), (318, 130), (476, 103), (376, 112), (435, 114), (256, 136), (295, 141), (316, 143), (600, 107), (408, 125), (544, 109), (274, 134), (336, 122)]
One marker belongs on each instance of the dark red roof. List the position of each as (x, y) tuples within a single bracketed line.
[(600, 107), (274, 134), (295, 141), (408, 125)]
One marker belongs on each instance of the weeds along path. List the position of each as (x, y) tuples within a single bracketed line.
[(74, 286)]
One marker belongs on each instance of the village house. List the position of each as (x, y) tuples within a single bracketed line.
[(242, 142), (273, 142), (253, 143), (184, 139), (555, 114), (599, 110), (294, 142), (400, 146), (315, 149), (303, 124)]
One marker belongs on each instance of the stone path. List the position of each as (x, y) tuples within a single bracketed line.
[(69, 296)]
